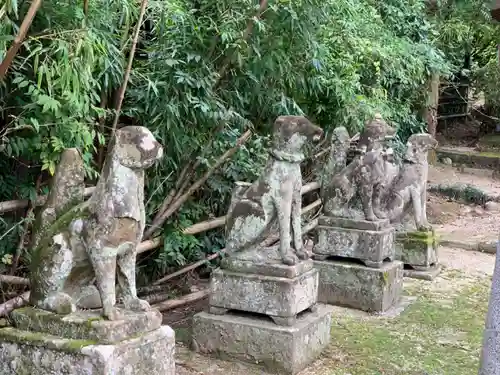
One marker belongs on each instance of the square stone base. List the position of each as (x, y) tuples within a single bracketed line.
[(86, 325), (371, 242), (429, 274), (31, 353), (258, 340), (280, 298), (417, 249), (360, 287)]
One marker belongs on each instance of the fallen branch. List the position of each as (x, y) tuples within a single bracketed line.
[(193, 297), (40, 201), (180, 201), (21, 35), (268, 242), (23, 299), (189, 298), (26, 227), (15, 303), (13, 280), (205, 226)]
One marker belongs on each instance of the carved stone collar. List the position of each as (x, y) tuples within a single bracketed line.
[(285, 156)]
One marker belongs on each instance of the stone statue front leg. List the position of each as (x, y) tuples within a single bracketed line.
[(423, 204), (104, 263), (297, 223), (417, 210), (366, 193), (126, 279), (284, 209)]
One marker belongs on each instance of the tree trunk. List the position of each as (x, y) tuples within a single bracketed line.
[(431, 112)]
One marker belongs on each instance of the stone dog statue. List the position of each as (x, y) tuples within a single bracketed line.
[(364, 176), (276, 194), (94, 241), (409, 187)]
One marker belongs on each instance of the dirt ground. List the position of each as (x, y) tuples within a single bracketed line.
[(440, 333), (460, 222)]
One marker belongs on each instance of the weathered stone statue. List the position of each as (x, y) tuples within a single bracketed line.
[(94, 240), (275, 195), (405, 193), (409, 187), (80, 249), (262, 295), (363, 177), (348, 230)]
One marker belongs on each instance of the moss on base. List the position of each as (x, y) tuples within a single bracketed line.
[(10, 334), (419, 237)]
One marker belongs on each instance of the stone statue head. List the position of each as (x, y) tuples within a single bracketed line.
[(377, 131), (136, 147), (340, 138), (417, 147), (292, 133)]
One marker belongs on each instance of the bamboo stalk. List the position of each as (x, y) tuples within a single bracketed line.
[(156, 242), (123, 87), (268, 242), (21, 35), (184, 300), (180, 201), (26, 227), (14, 303), (40, 201), (22, 300), (13, 280)]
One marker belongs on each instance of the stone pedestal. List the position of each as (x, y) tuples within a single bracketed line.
[(371, 242), (342, 247), (359, 287), (83, 343), (264, 312), (419, 253)]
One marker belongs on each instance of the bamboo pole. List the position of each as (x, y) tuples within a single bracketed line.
[(19, 39), (23, 299), (194, 229), (14, 205), (196, 296), (14, 303)]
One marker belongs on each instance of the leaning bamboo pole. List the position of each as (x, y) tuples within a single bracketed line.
[(148, 245)]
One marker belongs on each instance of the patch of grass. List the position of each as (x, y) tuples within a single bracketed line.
[(438, 335)]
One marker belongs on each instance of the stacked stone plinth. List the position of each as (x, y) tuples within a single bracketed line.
[(263, 311), (418, 251), (83, 343), (355, 260)]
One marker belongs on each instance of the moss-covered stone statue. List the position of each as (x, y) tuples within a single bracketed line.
[(408, 189), (275, 195), (81, 248), (363, 177)]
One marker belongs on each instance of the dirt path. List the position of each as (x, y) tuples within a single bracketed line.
[(459, 222), (482, 178)]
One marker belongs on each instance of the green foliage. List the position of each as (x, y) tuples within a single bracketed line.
[(213, 70)]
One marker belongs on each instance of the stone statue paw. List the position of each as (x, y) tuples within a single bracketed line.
[(137, 304), (113, 313), (59, 303), (426, 227), (371, 217), (302, 254), (289, 260)]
